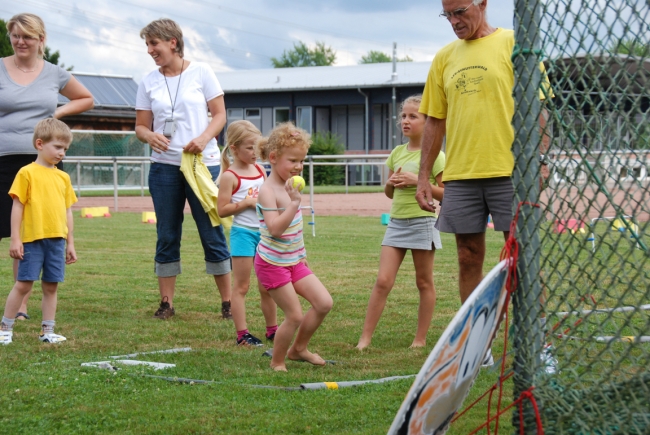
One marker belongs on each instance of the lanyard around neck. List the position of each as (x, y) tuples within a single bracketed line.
[(177, 88)]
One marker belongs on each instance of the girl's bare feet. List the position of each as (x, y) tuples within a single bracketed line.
[(307, 356), (363, 344), (417, 344), (279, 367)]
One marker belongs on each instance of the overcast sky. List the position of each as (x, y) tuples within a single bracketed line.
[(102, 36)]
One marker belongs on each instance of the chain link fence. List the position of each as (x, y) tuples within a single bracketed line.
[(89, 161), (583, 231), (108, 160)]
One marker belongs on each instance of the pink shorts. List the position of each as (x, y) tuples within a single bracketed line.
[(272, 276)]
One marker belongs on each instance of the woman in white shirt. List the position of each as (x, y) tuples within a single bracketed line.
[(171, 117)]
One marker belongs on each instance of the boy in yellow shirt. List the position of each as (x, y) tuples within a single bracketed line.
[(41, 227)]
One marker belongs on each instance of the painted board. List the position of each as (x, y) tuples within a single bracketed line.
[(449, 372)]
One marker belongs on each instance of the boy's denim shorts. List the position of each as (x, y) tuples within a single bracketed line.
[(47, 255)]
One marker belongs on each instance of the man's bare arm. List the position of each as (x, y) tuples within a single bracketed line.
[(434, 132)]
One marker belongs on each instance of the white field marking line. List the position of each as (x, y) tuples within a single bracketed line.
[(310, 386), (606, 310), (609, 338), (175, 350), (344, 384), (128, 362), (100, 365)]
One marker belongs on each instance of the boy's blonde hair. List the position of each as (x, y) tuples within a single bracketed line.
[(31, 25), (237, 132), (283, 136), (165, 29), (49, 128)]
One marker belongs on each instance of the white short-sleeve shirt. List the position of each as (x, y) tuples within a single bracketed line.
[(198, 85)]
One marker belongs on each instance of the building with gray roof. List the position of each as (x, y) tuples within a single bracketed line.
[(114, 103), (352, 102)]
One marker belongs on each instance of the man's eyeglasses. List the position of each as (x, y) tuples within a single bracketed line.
[(458, 13)]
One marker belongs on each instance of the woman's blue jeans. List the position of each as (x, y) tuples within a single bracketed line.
[(169, 190)]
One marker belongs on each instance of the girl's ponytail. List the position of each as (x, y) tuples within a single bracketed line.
[(225, 158), (261, 148)]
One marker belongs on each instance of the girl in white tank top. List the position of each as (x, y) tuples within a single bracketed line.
[(239, 186)]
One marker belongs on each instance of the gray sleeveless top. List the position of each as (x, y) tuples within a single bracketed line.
[(21, 107)]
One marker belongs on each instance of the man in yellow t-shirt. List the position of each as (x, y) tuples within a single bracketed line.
[(468, 98)]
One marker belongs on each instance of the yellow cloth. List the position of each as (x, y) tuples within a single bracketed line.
[(470, 84), (46, 194), (200, 180)]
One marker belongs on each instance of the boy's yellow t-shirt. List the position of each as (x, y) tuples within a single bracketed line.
[(46, 194), (470, 84)]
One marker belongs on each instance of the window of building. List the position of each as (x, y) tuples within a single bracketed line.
[(235, 114), (254, 116), (303, 118), (252, 113), (280, 115)]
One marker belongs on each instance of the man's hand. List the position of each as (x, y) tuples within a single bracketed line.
[(424, 196)]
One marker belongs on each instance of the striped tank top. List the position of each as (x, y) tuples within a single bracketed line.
[(283, 251)]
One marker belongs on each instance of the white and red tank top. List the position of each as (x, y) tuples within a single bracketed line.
[(247, 187)]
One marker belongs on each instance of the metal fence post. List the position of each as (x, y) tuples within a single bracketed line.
[(311, 180), (115, 183), (79, 179), (142, 179), (526, 300)]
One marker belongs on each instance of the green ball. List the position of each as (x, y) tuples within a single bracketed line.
[(298, 182)]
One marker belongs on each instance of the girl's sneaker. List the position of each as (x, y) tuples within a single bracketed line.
[(271, 337), (249, 340), (6, 337), (51, 337)]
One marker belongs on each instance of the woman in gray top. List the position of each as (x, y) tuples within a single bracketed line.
[(29, 88)]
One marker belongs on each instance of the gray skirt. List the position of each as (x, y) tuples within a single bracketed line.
[(415, 233)]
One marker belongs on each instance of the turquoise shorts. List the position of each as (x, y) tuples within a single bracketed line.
[(243, 242)]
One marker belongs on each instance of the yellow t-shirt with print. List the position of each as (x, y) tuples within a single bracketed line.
[(46, 194), (470, 84)]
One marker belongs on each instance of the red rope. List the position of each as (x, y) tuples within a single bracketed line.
[(540, 429), (528, 394), (511, 249), (492, 388)]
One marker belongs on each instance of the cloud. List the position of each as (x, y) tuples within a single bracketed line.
[(198, 48), (96, 36)]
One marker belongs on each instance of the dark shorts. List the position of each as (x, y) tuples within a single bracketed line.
[(467, 204), (9, 167), (47, 255)]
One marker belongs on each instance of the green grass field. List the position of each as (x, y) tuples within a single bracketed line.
[(106, 307)]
